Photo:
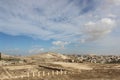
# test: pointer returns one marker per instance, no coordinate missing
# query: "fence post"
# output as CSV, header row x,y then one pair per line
x,y
57,72
43,73
48,73
65,72
53,73
38,74
61,72
28,74
33,74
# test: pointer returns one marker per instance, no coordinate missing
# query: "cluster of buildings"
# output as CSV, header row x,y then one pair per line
x,y
94,58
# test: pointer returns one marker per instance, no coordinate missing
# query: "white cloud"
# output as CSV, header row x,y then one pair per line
x,y
112,15
62,20
108,21
99,29
117,2
60,44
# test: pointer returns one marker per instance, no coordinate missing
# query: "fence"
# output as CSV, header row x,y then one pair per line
x,y
38,74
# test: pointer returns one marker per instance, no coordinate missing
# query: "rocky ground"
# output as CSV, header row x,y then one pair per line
x,y
81,72
55,63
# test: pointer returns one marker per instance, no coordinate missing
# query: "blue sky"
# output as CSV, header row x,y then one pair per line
x,y
65,26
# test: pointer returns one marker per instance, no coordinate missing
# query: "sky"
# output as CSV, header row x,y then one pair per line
x,y
63,26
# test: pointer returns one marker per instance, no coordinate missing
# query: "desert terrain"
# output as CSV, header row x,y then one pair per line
x,y
55,66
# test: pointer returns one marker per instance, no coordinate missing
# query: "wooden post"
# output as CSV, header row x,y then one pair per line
x,y
33,74
57,72
28,74
61,72
38,74
43,73
65,72
48,73
53,73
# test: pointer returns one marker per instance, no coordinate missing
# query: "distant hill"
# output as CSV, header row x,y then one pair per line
x,y
10,57
49,55
6,55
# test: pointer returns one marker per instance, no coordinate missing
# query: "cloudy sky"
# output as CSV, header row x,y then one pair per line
x,y
65,26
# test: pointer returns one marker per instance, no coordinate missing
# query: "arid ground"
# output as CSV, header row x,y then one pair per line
x,y
74,71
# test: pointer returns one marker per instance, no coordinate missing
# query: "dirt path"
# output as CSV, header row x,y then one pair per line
x,y
20,67
74,65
